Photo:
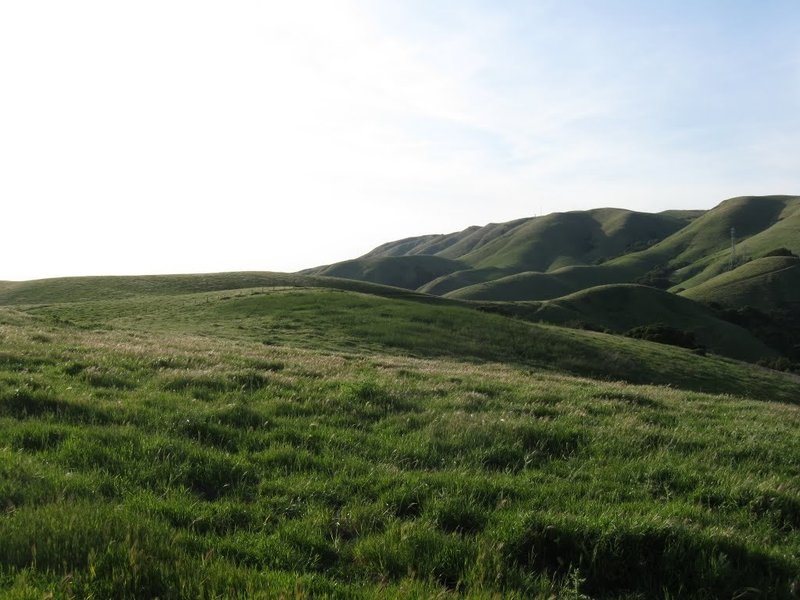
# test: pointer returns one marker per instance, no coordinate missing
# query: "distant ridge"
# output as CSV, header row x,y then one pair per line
x,y
81,289
542,258
540,244
410,272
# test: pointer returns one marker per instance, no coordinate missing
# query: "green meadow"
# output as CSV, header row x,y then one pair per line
x,y
267,436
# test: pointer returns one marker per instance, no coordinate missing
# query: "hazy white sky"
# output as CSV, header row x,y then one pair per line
x,y
189,136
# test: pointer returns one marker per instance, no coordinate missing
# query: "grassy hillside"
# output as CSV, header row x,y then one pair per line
x,y
307,442
76,289
764,296
410,272
500,249
411,246
461,279
139,289
341,320
573,238
768,284
686,215
620,308
688,257
702,249
451,245
543,243
546,257
543,286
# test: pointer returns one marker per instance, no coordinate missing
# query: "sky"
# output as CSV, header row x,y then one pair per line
x,y
167,136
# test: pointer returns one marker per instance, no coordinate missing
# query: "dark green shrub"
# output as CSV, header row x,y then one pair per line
x,y
664,334
584,325
780,363
781,252
657,278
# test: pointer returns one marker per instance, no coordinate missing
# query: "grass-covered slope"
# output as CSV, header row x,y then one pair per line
x,y
306,442
710,233
499,249
451,245
693,254
622,307
573,238
77,289
461,279
546,257
702,249
768,284
544,243
543,286
409,272
686,215
346,321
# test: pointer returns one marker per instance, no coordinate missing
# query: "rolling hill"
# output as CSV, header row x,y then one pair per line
x,y
78,289
619,308
536,244
544,257
410,272
533,285
768,284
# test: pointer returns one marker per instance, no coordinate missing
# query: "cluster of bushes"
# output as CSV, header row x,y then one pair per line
x,y
640,245
585,326
497,309
778,329
657,278
781,363
781,252
636,246
665,334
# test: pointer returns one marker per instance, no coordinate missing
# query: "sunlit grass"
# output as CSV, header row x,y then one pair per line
x,y
167,457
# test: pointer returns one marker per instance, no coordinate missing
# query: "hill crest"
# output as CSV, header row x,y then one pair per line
x,y
540,258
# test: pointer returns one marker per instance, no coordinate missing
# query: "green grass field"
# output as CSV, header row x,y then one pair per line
x,y
181,440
